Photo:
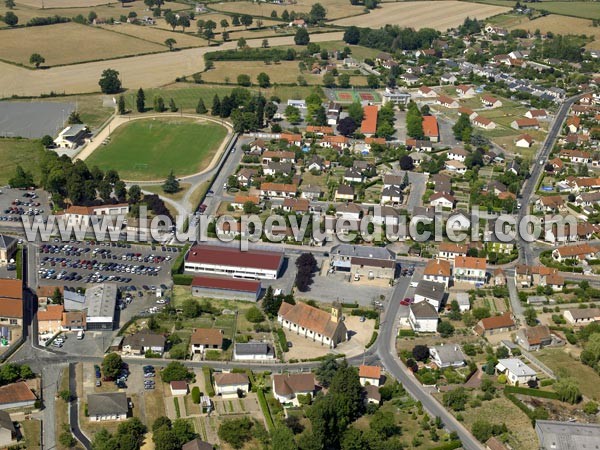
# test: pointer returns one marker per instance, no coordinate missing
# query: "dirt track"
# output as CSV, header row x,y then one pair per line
x,y
140,71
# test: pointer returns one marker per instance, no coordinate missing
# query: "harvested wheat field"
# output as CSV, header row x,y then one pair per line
x,y
157,35
69,43
336,9
563,25
139,71
63,3
438,15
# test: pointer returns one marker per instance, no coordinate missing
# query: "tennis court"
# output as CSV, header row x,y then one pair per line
x,y
352,95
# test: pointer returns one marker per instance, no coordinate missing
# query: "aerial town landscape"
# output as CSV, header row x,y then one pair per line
x,y
300,224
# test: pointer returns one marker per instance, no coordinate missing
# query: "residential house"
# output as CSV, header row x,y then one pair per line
x,y
316,164
311,192
228,385
8,247
278,168
464,111
203,339
517,372
293,138
582,316
465,90
409,79
391,194
423,317
450,250
450,355
11,302
575,156
352,175
495,324
430,292
372,394
438,271
463,300
277,190
442,199
287,387
490,101
73,321
573,124
240,200
448,78
16,396
579,252
314,323
539,114
349,211
447,102
179,388
550,203
386,215
483,122
254,351
197,444
107,406
425,91
524,141
297,205
336,141
525,124
369,375
534,338
319,130
50,319
470,269
246,175
143,341
278,156
457,154
8,433
514,167
344,192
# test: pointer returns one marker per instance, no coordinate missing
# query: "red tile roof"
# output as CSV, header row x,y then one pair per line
x,y
229,284
16,393
369,123
503,321
11,288
430,126
373,372
469,262
207,336
229,256
53,312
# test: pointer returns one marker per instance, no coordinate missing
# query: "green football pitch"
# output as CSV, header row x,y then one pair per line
x,y
148,149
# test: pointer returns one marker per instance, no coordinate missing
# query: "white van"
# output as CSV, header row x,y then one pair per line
x,y
80,334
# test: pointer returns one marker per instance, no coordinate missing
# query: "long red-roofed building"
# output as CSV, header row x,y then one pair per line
x,y
431,129
231,261
369,123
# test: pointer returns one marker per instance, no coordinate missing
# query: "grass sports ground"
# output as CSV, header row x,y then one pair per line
x,y
148,149
355,95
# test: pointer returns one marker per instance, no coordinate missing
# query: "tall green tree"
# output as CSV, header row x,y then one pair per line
x,y
301,37
121,105
140,100
200,107
109,82
36,59
171,184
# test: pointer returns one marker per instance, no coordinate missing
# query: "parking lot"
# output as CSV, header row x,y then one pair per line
x,y
15,203
134,267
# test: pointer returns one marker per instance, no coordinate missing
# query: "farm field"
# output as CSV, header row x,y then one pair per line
x,y
282,72
586,10
563,25
157,35
24,152
55,43
66,3
217,17
440,16
335,8
150,149
140,71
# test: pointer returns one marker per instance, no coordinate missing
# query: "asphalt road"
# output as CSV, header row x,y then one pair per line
x,y
74,410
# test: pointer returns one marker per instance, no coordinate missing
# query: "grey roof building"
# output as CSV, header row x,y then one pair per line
x,y
197,444
101,301
108,406
557,435
450,355
363,251
430,292
253,351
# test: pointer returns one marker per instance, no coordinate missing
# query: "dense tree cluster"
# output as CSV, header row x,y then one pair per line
x,y
175,371
246,110
306,264
391,38
414,121
129,436
9,373
168,435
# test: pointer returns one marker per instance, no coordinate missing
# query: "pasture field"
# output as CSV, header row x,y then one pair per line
x,y
157,35
24,152
358,52
150,149
437,15
65,3
335,8
56,43
583,9
282,72
560,361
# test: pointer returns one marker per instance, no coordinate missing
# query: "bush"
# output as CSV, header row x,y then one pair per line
x,y
406,333
282,340
177,410
182,280
531,392
368,313
196,395
547,382
210,391
372,340
265,409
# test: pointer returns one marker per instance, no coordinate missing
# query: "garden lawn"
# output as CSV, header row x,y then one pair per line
x,y
24,152
150,149
559,361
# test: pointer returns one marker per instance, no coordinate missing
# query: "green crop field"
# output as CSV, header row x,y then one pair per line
x,y
150,149
24,152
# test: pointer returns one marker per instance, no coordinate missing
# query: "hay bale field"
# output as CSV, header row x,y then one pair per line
x,y
69,43
437,15
148,149
283,72
157,35
335,8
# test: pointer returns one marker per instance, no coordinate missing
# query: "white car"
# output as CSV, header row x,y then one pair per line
x,y
414,284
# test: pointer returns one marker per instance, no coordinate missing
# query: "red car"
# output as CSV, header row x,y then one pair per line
x,y
407,301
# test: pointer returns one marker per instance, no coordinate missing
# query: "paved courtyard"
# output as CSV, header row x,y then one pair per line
x,y
33,119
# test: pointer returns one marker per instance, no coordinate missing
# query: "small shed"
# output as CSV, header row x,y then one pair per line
x,y
179,388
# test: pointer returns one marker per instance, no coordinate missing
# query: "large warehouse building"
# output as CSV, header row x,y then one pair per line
x,y
230,261
101,301
221,287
